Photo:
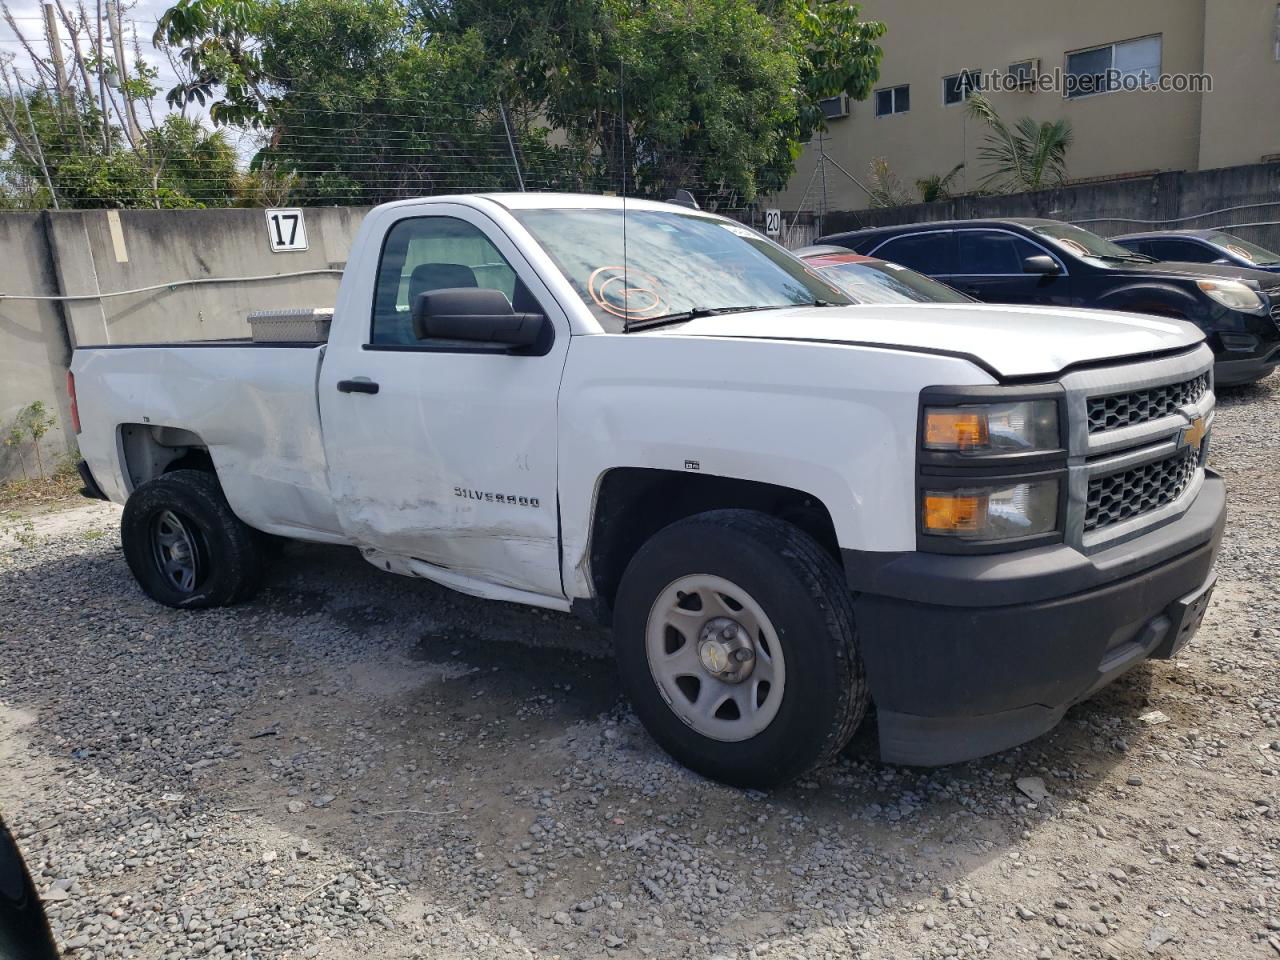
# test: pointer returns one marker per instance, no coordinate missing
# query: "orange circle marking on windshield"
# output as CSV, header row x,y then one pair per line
x,y
635,285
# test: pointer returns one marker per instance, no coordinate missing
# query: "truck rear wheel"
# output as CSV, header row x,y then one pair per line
x,y
735,641
185,546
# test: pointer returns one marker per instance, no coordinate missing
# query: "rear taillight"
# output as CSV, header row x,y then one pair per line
x,y
71,393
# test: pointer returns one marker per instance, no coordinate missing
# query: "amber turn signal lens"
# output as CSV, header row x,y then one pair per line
x,y
955,430
944,513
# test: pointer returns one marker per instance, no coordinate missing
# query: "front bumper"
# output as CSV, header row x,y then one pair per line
x,y
1228,372
969,655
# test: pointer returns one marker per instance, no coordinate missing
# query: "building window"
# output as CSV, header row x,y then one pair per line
x,y
1115,66
960,87
833,108
893,100
1024,73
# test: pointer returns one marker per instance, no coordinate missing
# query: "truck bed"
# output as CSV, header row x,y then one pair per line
x,y
252,405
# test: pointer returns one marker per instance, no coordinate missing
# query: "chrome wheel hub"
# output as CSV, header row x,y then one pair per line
x,y
715,657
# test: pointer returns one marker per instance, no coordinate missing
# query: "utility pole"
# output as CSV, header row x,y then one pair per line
x,y
511,143
117,43
55,48
822,160
102,80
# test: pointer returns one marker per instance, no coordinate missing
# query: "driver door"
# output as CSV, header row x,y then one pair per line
x,y
445,451
989,267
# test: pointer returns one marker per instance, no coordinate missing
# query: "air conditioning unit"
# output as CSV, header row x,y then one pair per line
x,y
1024,73
833,108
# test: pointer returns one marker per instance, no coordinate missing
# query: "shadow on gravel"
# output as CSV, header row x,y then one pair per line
x,y
394,716
1247,392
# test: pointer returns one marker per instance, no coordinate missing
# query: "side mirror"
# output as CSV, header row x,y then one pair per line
x,y
474,314
1042,264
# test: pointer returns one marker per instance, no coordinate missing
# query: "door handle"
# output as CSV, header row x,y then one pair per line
x,y
358,385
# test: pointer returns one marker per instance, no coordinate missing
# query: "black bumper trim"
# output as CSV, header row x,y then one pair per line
x,y
1041,573
90,488
1230,373
957,680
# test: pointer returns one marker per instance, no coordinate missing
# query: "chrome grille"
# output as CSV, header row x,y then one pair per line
x,y
1143,406
1128,493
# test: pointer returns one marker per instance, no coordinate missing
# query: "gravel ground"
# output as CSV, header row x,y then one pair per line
x,y
358,765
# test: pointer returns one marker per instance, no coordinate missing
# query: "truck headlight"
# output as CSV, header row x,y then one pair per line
x,y
1233,295
995,512
986,429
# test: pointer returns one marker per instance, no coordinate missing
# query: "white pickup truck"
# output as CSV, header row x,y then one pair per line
x,y
786,505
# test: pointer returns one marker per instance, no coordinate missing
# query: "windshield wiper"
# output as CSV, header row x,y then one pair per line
x,y
679,316
1135,258
694,313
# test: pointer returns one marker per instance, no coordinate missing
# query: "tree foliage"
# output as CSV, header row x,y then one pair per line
x,y
937,186
372,99
74,134
1026,156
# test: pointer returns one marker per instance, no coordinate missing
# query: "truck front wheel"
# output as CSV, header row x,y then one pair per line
x,y
185,545
735,641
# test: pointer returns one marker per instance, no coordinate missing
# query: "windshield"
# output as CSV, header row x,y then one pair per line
x,y
1244,249
883,282
677,264
1082,243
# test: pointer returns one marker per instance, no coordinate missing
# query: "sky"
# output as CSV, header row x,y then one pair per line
x,y
139,17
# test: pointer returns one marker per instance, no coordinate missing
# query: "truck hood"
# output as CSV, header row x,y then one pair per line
x,y
1013,341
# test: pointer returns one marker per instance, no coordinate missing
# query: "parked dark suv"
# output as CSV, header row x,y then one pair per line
x,y
1201,246
1050,262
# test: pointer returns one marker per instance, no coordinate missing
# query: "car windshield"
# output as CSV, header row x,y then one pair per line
x,y
881,282
1082,243
677,265
1244,249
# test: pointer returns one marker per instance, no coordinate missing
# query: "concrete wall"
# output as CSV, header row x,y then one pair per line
x,y
98,251
1111,208
34,350
1116,133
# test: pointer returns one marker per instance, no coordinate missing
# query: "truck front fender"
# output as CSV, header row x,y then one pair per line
x,y
831,422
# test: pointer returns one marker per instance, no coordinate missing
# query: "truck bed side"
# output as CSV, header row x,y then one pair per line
x,y
150,408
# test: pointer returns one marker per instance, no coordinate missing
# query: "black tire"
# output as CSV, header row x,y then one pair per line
x,y
802,591
229,563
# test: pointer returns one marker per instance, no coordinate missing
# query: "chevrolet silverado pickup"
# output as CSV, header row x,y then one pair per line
x,y
786,504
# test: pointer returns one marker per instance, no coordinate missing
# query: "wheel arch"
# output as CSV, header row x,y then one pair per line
x,y
1159,299
148,451
634,503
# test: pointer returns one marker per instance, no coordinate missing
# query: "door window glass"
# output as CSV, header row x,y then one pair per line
x,y
929,253
1183,251
992,252
435,253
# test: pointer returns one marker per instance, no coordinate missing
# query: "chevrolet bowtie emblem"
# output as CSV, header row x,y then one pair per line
x,y
1193,435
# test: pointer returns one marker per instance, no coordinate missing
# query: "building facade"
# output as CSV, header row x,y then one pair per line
x,y
1130,76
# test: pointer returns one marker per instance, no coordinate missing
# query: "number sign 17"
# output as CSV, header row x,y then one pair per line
x,y
286,230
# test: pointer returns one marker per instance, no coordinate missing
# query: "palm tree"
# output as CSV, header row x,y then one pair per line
x,y
1030,156
886,190
936,186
